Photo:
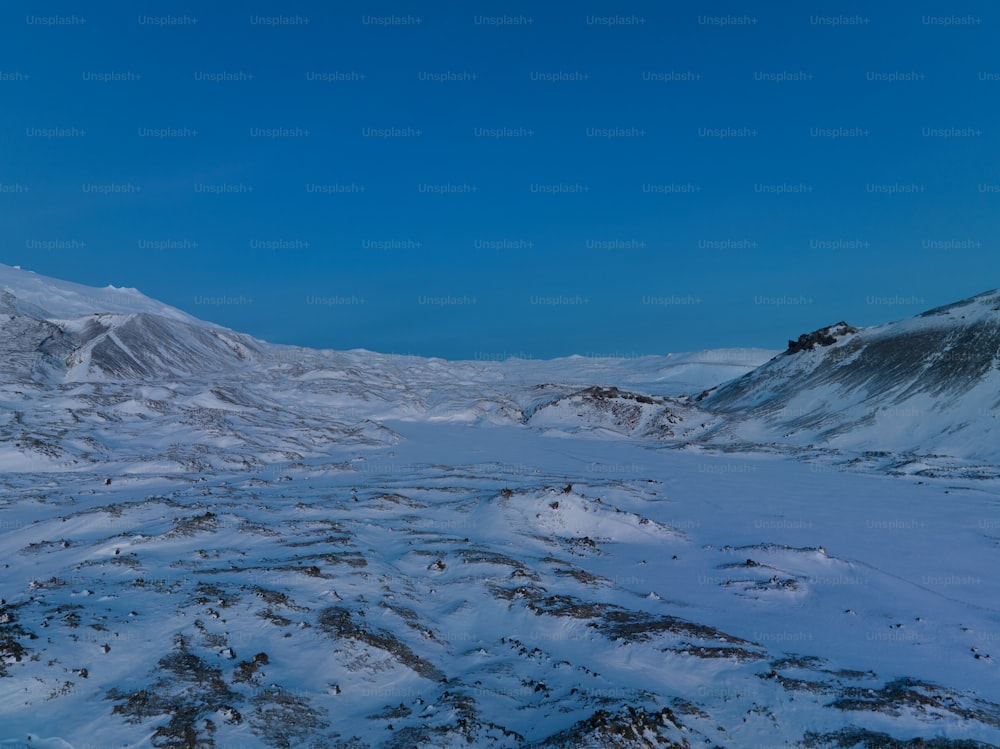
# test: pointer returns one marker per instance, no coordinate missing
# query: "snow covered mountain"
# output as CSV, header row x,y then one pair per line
x,y
924,385
52,334
210,541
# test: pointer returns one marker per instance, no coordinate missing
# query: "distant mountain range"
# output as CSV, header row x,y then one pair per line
x,y
111,376
925,385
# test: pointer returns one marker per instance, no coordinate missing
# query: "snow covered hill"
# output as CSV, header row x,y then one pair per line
x,y
57,332
929,384
210,541
609,412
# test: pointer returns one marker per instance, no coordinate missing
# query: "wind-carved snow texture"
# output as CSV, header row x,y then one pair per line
x,y
210,541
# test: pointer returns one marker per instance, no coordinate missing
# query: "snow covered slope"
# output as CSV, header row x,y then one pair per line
x,y
58,332
149,347
927,384
37,294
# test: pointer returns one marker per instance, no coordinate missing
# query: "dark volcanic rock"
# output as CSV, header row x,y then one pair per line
x,y
823,337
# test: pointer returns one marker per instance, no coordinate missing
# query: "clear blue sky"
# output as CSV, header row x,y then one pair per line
x,y
739,171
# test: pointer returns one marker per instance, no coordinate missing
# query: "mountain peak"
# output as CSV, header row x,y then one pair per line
x,y
984,303
67,300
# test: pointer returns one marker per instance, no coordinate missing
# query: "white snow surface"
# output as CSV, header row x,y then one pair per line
x,y
67,300
283,547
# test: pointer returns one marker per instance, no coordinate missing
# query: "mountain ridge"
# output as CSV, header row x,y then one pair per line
x,y
925,383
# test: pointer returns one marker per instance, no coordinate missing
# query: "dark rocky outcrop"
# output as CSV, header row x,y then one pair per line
x,y
822,337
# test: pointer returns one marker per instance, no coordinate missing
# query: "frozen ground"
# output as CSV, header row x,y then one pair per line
x,y
288,548
504,586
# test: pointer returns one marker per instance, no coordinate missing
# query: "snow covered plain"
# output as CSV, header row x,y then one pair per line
x,y
342,549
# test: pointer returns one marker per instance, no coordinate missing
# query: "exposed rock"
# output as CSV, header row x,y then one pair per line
x,y
823,337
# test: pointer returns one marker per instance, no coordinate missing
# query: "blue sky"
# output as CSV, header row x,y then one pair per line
x,y
473,180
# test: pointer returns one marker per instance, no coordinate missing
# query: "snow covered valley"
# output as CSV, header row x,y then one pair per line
x,y
264,546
